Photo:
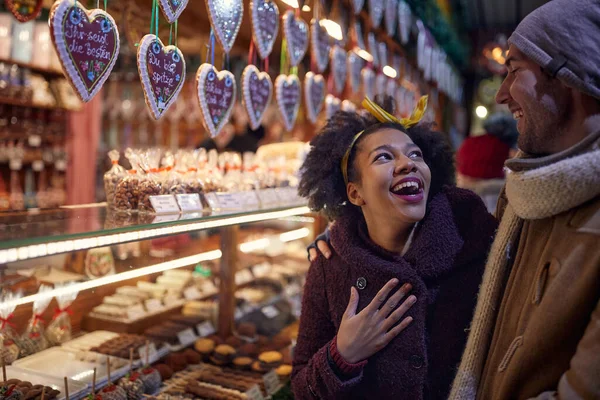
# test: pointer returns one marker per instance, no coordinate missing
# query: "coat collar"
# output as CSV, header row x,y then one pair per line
x,y
432,254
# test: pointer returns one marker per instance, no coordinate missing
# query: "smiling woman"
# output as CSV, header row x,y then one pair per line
x,y
409,241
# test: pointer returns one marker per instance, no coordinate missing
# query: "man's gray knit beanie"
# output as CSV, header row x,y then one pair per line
x,y
563,37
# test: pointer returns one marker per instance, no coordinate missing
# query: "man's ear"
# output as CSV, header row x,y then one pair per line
x,y
354,194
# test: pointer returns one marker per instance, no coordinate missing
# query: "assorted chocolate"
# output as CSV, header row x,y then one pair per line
x,y
15,389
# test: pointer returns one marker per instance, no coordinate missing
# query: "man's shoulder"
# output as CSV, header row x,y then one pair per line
x,y
586,217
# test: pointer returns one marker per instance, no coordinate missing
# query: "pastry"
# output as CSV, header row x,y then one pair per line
x,y
223,354
242,362
192,357
284,371
113,392
280,341
247,329
205,347
233,341
164,370
248,349
270,360
151,379
176,361
133,386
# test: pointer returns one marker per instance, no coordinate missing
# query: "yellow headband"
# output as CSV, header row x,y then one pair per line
x,y
383,116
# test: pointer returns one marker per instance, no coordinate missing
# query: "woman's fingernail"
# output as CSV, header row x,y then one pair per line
x,y
327,255
394,281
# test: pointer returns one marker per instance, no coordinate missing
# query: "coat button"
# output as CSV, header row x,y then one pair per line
x,y
361,283
416,361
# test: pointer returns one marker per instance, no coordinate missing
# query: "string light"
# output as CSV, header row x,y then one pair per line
x,y
333,29
390,72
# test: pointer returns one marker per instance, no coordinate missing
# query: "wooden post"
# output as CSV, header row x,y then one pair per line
x,y
227,287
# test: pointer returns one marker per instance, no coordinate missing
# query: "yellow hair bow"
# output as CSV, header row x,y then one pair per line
x,y
383,116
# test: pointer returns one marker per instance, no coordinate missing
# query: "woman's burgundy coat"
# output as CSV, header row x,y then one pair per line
x,y
444,264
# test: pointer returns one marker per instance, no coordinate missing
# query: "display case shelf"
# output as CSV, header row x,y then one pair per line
x,y
38,233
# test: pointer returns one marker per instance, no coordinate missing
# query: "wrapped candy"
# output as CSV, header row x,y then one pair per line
x,y
150,183
59,329
8,336
112,177
34,339
127,191
133,386
151,379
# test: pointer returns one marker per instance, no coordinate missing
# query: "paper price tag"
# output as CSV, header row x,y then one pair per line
x,y
189,202
192,293
165,218
152,353
153,305
186,337
136,312
164,204
254,393
212,200
270,311
205,329
272,382
250,200
231,201
268,197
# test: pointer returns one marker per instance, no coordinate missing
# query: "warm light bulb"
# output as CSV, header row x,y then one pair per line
x,y
333,29
291,3
390,72
365,55
497,52
306,8
481,112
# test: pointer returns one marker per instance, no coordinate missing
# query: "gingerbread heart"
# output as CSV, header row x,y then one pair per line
x,y
295,31
380,83
368,79
372,42
162,72
314,94
226,19
87,43
355,64
265,25
357,6
216,94
287,93
348,106
391,15
404,21
320,45
332,105
339,68
257,90
173,8
390,87
376,8
24,10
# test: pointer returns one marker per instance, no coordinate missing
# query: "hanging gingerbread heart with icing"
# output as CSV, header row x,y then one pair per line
x,y
172,9
265,25
320,45
376,8
368,79
404,21
87,44
357,6
24,10
339,68
355,64
162,72
391,16
314,94
257,90
380,84
287,93
226,18
332,105
216,94
295,31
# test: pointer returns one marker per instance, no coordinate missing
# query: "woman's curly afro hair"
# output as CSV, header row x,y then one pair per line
x,y
321,179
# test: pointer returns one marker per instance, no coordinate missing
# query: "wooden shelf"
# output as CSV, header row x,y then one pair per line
x,y
15,102
40,70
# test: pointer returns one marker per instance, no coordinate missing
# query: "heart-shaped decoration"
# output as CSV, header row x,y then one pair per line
x,y
314,94
162,72
339,68
380,83
383,53
391,16
355,64
173,8
372,42
296,34
348,106
24,10
216,94
332,105
265,25
321,46
226,19
390,88
87,43
376,8
368,79
288,93
357,6
257,90
404,21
